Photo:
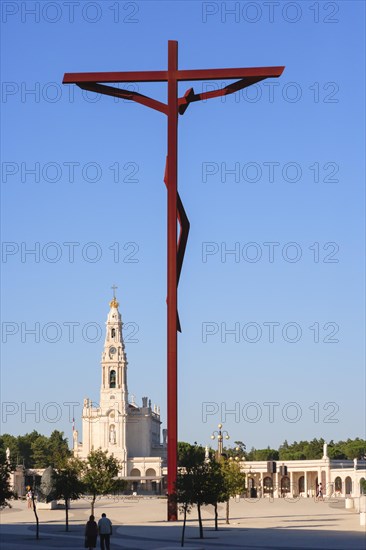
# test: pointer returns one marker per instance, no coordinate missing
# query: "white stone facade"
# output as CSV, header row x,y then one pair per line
x,y
339,478
129,431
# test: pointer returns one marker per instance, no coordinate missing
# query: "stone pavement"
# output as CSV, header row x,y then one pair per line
x,y
139,524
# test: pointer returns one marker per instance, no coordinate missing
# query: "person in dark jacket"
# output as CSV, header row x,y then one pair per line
x,y
91,533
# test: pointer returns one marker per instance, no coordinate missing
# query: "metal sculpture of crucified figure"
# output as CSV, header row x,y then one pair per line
x,y
176,247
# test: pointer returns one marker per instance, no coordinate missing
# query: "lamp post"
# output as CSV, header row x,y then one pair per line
x,y
238,456
220,434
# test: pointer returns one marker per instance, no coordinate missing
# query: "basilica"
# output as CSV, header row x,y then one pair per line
x,y
118,425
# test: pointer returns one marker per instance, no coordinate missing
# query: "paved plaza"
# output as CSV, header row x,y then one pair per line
x,y
140,524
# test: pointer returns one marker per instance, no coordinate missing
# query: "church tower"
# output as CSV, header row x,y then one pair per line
x,y
114,363
105,424
128,431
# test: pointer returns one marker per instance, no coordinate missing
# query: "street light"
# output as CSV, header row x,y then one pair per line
x,y
220,435
238,456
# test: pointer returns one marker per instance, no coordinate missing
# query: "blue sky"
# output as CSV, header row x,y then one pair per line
x,y
275,173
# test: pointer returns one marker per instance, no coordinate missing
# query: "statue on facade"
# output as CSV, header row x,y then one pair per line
x,y
112,435
75,438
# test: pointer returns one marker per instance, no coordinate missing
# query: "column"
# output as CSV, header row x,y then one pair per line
x,y
291,484
306,484
277,492
261,483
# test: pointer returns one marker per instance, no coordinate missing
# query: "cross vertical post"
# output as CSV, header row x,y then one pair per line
x,y
172,348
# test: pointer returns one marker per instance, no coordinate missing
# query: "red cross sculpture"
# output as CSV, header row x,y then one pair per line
x,y
176,246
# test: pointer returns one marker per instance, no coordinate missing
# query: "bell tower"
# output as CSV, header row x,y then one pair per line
x,y
113,391
129,432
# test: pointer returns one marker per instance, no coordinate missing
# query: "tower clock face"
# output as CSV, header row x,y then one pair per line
x,y
113,350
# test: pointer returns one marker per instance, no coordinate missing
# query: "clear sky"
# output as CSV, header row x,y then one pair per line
x,y
274,173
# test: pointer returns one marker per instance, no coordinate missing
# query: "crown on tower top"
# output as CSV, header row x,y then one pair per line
x,y
114,303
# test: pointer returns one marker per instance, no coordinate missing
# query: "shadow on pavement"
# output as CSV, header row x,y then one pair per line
x,y
154,537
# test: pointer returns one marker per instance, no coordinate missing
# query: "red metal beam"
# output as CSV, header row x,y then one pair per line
x,y
125,94
218,74
127,76
162,76
172,277
190,96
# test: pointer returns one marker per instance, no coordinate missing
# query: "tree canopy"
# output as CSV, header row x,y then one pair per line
x,y
306,450
34,450
100,475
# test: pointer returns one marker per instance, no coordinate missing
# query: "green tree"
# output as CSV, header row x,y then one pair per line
x,y
25,448
200,475
68,485
217,489
35,450
188,454
314,449
354,448
99,476
263,454
193,480
239,449
234,480
5,469
40,455
58,449
49,451
335,451
185,497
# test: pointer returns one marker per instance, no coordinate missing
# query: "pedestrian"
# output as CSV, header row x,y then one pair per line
x,y
29,498
320,491
105,531
91,533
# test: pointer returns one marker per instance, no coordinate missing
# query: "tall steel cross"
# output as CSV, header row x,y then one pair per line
x,y
176,247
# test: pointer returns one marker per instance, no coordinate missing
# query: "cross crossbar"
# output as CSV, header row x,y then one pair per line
x,y
180,75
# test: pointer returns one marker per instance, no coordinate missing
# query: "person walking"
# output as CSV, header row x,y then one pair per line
x,y
91,533
29,498
105,531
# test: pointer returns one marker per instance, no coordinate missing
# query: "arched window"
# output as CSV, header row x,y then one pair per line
x,y
362,486
135,472
113,333
348,484
150,472
112,379
338,484
285,485
267,485
251,483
